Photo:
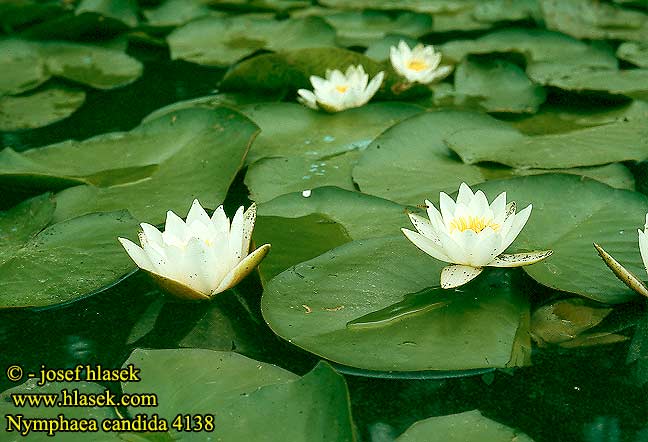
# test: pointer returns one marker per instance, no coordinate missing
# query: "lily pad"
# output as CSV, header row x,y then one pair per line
x,y
176,12
271,177
579,212
289,129
158,166
21,223
631,82
362,28
245,396
379,50
477,329
634,52
290,70
221,41
619,141
32,63
469,426
39,109
302,226
594,20
535,44
71,259
500,86
29,388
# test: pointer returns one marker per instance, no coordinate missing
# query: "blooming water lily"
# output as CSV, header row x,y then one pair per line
x,y
471,234
418,65
201,257
625,275
339,91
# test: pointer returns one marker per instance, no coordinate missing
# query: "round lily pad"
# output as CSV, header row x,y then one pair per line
x,y
372,304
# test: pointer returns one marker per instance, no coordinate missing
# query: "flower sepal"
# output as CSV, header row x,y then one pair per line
x,y
625,275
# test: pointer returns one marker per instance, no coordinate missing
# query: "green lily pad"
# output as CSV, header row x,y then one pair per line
x,y
290,70
477,328
379,50
39,108
397,164
29,388
631,82
362,28
301,226
109,17
494,11
469,426
289,129
500,86
158,166
271,177
569,214
221,41
245,396
21,223
535,44
65,261
176,12
32,63
619,141
601,20
634,52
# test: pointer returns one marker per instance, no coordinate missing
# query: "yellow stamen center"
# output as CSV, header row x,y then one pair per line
x,y
342,88
417,65
476,224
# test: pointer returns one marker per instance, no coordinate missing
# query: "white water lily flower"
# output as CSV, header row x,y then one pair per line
x,y
471,234
625,275
419,64
339,91
201,257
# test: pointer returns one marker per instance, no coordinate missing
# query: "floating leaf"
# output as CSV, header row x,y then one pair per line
x,y
158,166
21,223
469,426
65,261
176,12
569,214
38,108
302,226
221,41
362,28
379,50
476,329
499,85
289,129
634,52
619,141
243,395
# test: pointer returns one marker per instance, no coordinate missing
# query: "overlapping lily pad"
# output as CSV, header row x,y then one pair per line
x,y
221,41
30,64
311,304
569,214
618,141
634,52
161,165
290,70
469,426
41,266
302,226
245,396
498,86
38,108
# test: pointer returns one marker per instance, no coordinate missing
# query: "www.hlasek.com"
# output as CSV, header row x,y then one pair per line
x,y
25,422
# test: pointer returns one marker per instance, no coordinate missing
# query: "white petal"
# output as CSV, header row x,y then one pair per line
x,y
434,215
249,218
152,233
456,275
424,227
518,223
498,207
239,272
465,195
643,248
520,259
236,237
427,245
447,206
220,221
489,246
622,273
197,214
307,98
137,254
175,230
